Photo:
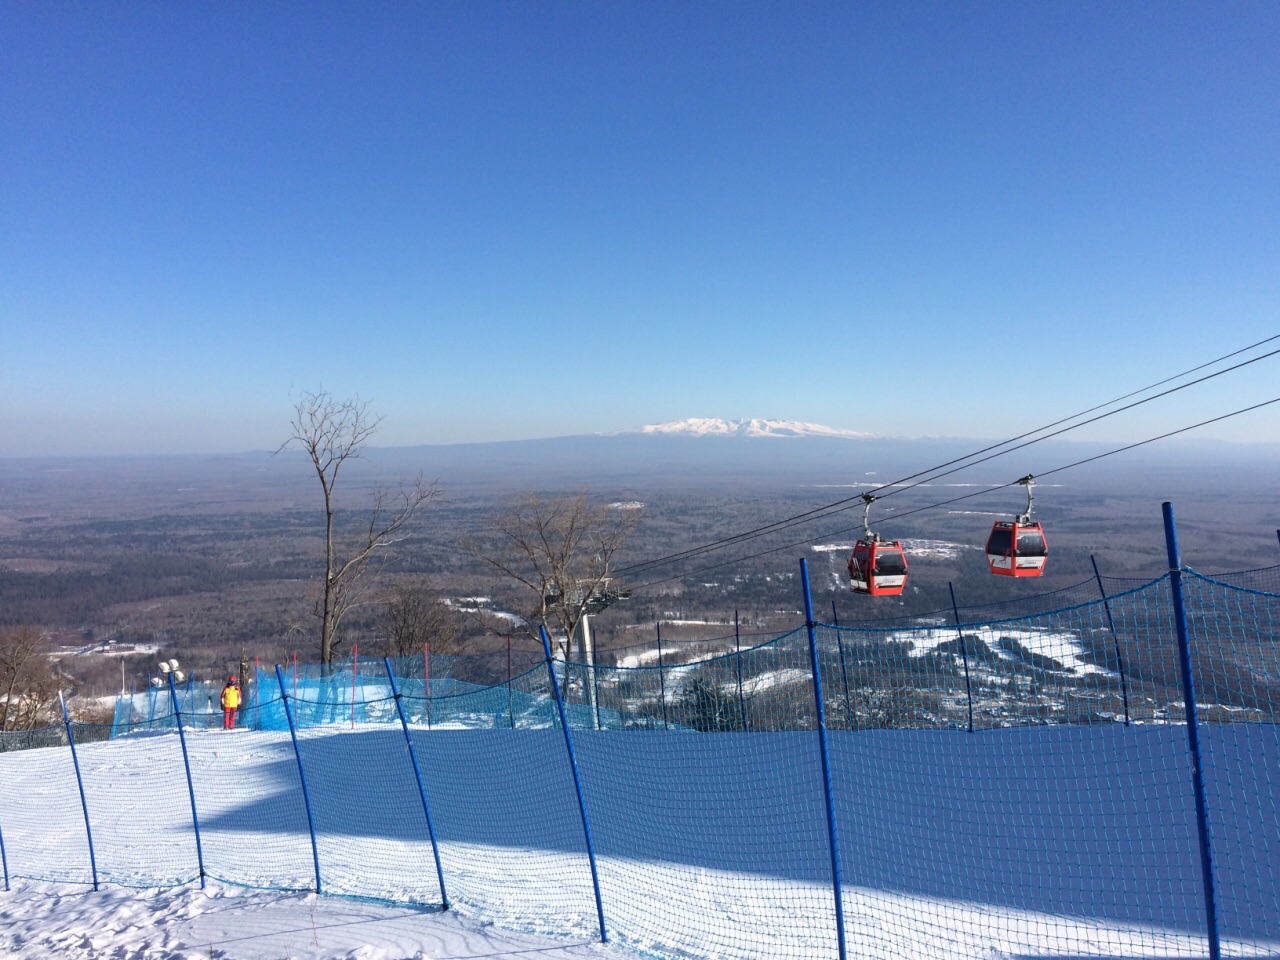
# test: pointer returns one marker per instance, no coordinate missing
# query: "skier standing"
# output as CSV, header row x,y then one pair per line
x,y
230,703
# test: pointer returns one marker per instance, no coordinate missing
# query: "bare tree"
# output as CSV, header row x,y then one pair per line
x,y
26,679
332,432
414,614
561,549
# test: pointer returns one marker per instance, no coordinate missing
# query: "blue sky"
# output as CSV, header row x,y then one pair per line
x,y
499,221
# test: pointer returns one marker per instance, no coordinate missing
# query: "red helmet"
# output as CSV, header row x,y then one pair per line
x,y
232,680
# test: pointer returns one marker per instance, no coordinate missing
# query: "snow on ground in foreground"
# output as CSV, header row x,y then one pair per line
x,y
1056,842
39,920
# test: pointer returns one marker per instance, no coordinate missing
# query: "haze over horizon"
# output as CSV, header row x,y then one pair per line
x,y
500,222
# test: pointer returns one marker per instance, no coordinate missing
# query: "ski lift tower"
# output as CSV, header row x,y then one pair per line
x,y
602,595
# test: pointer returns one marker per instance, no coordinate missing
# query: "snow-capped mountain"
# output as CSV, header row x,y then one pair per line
x,y
753,427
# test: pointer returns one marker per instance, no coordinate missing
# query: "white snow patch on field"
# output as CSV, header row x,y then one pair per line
x,y
1065,649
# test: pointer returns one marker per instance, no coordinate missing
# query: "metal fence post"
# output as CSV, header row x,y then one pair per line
x,y
1115,641
84,804
836,880
577,780
737,662
4,858
417,775
426,680
186,763
844,673
511,715
964,653
1193,731
662,684
302,775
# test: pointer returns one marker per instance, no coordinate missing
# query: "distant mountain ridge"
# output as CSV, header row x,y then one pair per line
x,y
747,427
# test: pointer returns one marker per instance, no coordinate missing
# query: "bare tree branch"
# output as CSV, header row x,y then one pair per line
x,y
26,677
415,615
332,432
560,549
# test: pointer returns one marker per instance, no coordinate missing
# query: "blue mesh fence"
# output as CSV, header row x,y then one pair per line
x,y
1017,785
43,823
152,708
371,832
713,826
134,808
253,819
519,857
1051,811
1235,634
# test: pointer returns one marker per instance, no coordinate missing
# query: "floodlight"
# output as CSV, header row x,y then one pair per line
x,y
164,666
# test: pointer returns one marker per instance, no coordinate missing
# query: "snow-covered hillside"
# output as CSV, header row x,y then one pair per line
x,y
713,427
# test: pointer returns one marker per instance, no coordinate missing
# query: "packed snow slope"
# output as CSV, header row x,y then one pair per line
x,y
43,920
1065,841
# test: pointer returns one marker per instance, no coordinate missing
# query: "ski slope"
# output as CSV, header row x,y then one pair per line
x,y
1026,842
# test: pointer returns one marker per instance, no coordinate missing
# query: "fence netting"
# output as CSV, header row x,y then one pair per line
x,y
1236,642
1016,784
1053,828
498,779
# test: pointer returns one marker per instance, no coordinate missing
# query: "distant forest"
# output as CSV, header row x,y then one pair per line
x,y
209,564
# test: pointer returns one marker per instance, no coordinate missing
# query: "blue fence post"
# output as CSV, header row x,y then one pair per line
x,y
4,858
84,804
426,682
511,714
844,673
737,662
1193,731
662,684
964,654
186,762
302,775
417,775
1115,641
836,881
577,780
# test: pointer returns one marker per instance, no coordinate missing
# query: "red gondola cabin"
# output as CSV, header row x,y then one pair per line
x,y
1017,549
878,568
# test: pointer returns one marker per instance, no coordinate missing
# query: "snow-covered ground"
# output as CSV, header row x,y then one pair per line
x,y
39,920
1032,842
1061,648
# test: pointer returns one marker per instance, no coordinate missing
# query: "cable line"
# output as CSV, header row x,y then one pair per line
x,y
959,499
898,487
930,473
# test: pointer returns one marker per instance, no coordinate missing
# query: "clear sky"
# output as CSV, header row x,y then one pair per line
x,y
510,220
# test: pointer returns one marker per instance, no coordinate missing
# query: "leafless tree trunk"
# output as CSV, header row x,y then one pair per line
x,y
562,550
332,432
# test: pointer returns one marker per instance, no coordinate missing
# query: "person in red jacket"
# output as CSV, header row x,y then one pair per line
x,y
231,699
